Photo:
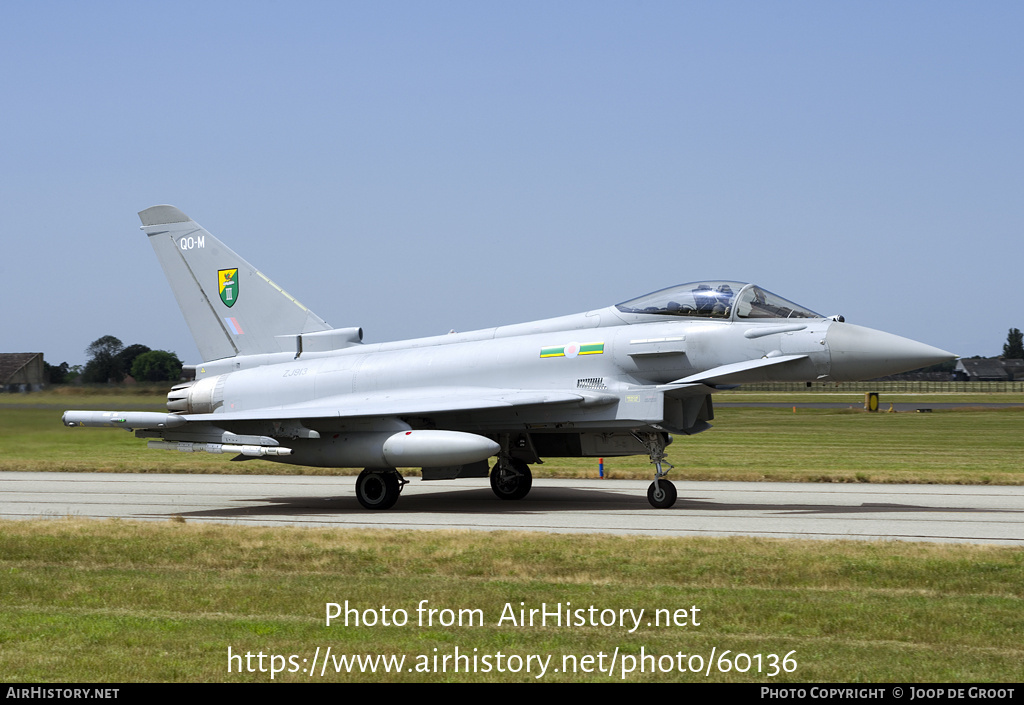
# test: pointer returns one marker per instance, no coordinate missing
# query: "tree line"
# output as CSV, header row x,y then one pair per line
x,y
1014,347
110,362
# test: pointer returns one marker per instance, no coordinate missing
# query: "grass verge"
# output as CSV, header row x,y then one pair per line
x,y
118,601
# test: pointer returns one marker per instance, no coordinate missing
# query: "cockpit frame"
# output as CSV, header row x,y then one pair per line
x,y
722,300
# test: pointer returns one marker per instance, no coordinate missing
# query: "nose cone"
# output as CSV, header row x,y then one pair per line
x,y
860,353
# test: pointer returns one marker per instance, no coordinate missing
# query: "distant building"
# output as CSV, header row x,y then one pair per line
x,y
989,369
21,372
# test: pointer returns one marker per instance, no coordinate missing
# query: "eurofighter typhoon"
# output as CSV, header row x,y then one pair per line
x,y
278,383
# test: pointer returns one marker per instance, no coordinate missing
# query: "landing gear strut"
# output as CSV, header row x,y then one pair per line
x,y
662,493
511,478
378,488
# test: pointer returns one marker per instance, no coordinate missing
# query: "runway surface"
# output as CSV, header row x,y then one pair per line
x,y
971,514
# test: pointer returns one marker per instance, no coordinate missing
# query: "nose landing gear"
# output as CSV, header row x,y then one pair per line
x,y
662,493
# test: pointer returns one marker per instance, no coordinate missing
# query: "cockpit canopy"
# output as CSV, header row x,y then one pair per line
x,y
716,299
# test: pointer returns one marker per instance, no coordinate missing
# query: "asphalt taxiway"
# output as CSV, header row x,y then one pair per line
x,y
941,513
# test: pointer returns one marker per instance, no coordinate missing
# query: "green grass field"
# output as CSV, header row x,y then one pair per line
x,y
121,601
118,601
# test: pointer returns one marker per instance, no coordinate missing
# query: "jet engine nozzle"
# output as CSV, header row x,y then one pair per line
x,y
859,353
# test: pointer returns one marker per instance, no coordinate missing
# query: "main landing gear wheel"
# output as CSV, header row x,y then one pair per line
x,y
511,479
378,488
661,494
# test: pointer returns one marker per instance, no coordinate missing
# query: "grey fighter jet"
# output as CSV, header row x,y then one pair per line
x,y
278,383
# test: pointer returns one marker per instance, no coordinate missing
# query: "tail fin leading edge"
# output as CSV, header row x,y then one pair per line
x,y
230,306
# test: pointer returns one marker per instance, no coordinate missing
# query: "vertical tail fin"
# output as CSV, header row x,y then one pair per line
x,y
229,305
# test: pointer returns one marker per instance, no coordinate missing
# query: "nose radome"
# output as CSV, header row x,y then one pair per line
x,y
860,353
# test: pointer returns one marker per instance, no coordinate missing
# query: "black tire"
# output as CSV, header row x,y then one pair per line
x,y
377,488
512,481
663,499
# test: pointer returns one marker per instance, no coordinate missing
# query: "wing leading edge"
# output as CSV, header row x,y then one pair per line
x,y
433,400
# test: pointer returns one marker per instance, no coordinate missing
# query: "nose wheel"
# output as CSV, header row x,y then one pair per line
x,y
661,494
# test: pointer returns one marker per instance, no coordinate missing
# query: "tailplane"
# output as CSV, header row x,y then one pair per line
x,y
230,306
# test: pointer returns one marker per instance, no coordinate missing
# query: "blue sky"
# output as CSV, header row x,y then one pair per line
x,y
414,167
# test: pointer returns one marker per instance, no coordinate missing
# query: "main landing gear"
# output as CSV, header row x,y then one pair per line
x,y
662,493
378,488
511,478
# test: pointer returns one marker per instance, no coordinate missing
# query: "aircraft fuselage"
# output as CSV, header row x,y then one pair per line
x,y
279,383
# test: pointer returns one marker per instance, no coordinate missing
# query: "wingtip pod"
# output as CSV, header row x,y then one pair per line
x,y
122,419
162,215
